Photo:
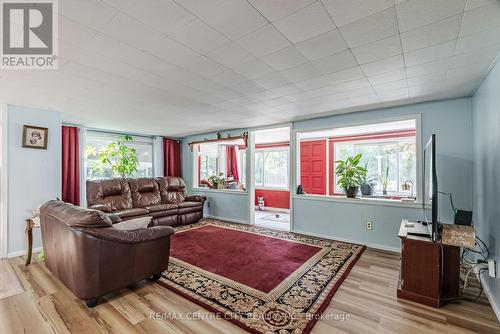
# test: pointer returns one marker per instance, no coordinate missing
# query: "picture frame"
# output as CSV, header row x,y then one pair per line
x,y
35,137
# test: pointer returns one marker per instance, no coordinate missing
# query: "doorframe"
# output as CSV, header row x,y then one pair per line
x,y
4,183
251,169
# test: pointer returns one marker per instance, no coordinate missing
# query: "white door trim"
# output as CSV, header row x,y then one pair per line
x,y
4,183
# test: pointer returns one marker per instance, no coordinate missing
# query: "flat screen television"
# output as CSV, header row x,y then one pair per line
x,y
430,187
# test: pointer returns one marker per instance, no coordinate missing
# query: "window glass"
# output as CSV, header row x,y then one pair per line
x,y
97,141
271,168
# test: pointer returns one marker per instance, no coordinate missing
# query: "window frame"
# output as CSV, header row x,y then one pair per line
x,y
376,201
111,136
273,148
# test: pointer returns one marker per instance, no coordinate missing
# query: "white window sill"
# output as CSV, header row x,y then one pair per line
x,y
226,191
364,201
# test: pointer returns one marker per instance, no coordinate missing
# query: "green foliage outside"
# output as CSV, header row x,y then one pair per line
x,y
122,159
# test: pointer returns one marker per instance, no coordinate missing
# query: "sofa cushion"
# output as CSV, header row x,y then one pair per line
x,y
145,192
172,189
161,207
131,212
133,224
188,204
114,192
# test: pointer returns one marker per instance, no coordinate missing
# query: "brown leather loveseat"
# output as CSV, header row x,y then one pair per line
x,y
92,258
163,198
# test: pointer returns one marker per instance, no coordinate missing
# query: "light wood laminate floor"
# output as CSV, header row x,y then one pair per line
x,y
368,296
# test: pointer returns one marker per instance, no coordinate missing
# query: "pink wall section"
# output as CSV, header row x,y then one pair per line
x,y
274,198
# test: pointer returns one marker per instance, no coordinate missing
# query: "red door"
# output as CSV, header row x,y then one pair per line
x,y
313,166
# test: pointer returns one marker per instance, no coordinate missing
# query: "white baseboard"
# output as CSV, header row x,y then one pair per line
x,y
493,297
23,252
231,220
376,246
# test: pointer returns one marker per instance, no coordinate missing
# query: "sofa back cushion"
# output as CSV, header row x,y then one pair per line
x,y
172,189
114,192
145,192
73,215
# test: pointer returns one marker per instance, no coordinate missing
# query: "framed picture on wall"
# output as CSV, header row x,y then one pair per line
x,y
35,137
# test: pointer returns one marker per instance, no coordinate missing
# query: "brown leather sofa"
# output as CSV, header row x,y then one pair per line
x,y
163,198
92,258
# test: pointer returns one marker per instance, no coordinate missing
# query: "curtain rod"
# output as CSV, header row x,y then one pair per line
x,y
117,132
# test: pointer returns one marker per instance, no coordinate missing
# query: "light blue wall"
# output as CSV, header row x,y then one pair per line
x,y
450,120
34,176
486,179
222,204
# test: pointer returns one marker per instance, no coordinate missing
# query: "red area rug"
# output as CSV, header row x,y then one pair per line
x,y
265,281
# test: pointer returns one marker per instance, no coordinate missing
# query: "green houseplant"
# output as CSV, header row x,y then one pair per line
x,y
217,181
366,183
122,159
350,174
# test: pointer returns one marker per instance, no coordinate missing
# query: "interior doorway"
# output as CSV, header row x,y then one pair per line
x,y
271,178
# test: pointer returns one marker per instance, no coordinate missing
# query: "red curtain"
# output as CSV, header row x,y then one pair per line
x,y
232,162
70,165
172,157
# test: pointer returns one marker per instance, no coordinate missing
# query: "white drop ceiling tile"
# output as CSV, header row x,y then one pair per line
x,y
426,79
202,66
363,95
264,41
288,90
387,77
428,68
92,13
285,58
197,7
431,34
391,95
384,65
200,37
394,85
371,28
313,84
253,68
429,54
305,23
416,13
347,11
233,18
301,72
479,19
161,15
322,45
381,49
472,4
483,56
277,9
74,32
350,74
272,80
248,88
336,62
228,78
130,31
230,55
480,40
354,85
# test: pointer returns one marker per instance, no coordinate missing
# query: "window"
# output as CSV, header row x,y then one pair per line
x,y
388,151
96,141
395,157
208,166
271,168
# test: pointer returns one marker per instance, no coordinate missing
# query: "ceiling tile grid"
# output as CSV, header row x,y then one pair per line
x,y
183,61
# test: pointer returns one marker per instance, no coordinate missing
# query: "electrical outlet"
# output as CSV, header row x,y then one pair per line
x,y
369,225
492,268
208,204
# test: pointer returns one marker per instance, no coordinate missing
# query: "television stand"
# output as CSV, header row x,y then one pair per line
x,y
430,271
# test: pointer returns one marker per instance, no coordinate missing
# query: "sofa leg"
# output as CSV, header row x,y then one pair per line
x,y
91,302
156,277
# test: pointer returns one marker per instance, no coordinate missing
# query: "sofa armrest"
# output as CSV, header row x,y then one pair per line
x,y
129,237
196,198
101,207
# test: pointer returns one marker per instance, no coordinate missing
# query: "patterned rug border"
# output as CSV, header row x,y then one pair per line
x,y
323,298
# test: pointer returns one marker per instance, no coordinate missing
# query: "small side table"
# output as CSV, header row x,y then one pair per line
x,y
31,223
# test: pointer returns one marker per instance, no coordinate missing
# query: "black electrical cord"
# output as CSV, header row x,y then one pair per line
x,y
451,200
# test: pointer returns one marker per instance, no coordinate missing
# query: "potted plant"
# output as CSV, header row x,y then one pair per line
x,y
384,180
366,183
350,175
217,181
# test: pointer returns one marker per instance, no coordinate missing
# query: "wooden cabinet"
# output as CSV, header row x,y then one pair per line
x,y
430,271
